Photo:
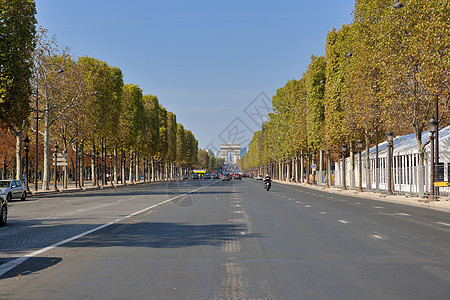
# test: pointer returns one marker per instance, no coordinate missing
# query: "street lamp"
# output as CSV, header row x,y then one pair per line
x,y
26,142
55,148
360,144
433,128
390,146
344,149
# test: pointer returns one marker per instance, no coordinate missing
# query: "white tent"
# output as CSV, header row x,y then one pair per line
x,y
405,164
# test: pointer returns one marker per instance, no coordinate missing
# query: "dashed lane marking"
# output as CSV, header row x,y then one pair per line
x,y
379,237
344,221
443,223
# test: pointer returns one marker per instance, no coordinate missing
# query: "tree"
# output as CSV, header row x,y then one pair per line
x,y
314,101
415,66
17,31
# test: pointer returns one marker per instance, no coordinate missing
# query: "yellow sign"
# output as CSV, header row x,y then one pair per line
x,y
442,183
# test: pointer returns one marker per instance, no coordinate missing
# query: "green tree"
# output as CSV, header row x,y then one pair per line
x,y
315,115
17,31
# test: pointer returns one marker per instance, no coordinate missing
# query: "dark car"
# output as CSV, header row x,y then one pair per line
x,y
195,176
226,177
185,176
237,176
3,210
207,176
12,189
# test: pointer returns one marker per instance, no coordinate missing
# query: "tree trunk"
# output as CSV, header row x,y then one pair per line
x,y
130,177
19,170
420,167
367,160
116,180
138,178
122,166
93,168
46,175
302,168
82,166
352,167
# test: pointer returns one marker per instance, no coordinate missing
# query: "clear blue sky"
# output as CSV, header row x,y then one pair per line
x,y
207,61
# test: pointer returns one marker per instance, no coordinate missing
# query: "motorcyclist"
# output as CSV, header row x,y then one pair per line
x,y
267,180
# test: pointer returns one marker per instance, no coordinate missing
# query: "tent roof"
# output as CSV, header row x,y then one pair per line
x,y
407,144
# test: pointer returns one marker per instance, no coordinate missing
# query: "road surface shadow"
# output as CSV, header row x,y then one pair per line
x,y
30,266
163,235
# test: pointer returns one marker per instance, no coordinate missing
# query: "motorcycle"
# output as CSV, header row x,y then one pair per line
x,y
267,185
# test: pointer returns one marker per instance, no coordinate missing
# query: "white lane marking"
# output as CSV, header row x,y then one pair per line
x,y
379,207
322,212
392,214
379,237
307,206
297,201
357,203
344,221
14,263
443,223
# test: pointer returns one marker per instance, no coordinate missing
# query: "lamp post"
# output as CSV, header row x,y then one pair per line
x,y
26,142
55,148
344,149
433,128
390,146
360,144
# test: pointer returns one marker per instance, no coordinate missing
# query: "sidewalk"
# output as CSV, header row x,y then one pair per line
x,y
443,204
88,186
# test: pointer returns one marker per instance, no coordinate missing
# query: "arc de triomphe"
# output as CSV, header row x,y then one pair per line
x,y
227,148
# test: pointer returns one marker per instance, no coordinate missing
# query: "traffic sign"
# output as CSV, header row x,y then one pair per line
x,y
314,167
442,183
61,159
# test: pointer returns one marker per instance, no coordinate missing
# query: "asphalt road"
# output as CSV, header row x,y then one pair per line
x,y
222,240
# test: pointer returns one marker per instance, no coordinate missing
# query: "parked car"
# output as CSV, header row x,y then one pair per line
x,y
207,176
12,189
195,176
259,177
185,176
226,177
3,210
237,176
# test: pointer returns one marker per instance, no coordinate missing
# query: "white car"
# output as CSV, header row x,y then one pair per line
x,y
259,177
12,189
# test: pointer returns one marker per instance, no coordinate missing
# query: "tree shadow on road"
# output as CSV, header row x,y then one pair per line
x,y
164,235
